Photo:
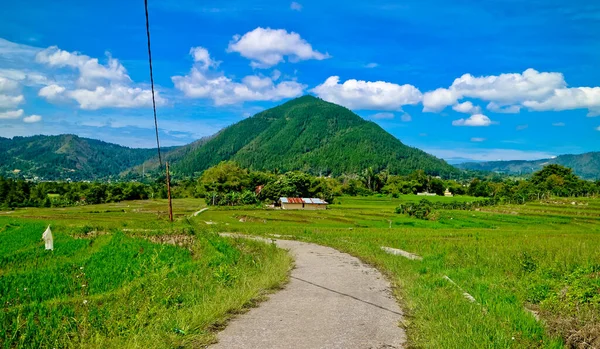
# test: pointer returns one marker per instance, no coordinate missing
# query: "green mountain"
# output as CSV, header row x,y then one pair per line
x,y
66,156
584,165
311,135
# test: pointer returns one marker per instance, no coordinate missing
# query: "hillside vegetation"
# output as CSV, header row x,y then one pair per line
x,y
66,156
310,135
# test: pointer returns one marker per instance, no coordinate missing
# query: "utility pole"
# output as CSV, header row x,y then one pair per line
x,y
169,194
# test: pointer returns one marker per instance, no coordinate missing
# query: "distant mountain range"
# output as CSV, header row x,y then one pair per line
x,y
305,134
584,165
67,157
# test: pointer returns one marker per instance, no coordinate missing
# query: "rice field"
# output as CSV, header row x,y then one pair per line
x,y
114,279
533,270
124,279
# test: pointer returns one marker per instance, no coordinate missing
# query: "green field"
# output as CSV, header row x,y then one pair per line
x,y
123,277
514,260
541,257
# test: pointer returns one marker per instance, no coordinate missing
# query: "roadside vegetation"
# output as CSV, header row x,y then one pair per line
x,y
518,261
119,282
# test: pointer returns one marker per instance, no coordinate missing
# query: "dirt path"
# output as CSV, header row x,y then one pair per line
x,y
332,301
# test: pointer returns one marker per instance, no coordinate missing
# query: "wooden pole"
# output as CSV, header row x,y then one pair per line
x,y
169,194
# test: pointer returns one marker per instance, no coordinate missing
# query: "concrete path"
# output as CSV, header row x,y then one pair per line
x,y
332,301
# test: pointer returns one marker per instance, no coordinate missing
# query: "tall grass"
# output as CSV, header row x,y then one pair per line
x,y
117,291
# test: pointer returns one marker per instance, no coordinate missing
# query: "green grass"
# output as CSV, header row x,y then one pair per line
x,y
541,256
107,285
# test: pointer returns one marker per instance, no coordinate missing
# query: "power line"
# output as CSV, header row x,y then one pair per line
x,y
152,82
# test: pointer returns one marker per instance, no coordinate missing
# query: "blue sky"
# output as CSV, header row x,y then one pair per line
x,y
484,80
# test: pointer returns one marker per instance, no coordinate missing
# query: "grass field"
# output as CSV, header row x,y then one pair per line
x,y
515,260
110,283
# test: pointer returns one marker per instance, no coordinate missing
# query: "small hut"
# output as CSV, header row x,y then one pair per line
x,y
302,204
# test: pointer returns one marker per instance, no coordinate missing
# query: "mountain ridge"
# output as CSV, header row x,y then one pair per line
x,y
586,165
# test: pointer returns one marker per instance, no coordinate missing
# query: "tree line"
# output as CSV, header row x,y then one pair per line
x,y
228,184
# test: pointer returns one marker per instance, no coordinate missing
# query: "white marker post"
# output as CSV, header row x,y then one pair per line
x,y
47,237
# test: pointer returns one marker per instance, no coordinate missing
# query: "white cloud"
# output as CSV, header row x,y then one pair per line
x,y
467,108
32,119
8,85
295,6
267,47
598,128
202,56
9,102
11,114
406,117
558,124
521,127
508,93
370,95
114,96
474,120
568,99
477,139
276,74
437,100
380,116
223,90
100,85
511,109
51,92
371,65
91,72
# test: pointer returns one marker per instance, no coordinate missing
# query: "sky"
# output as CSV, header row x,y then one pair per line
x,y
476,80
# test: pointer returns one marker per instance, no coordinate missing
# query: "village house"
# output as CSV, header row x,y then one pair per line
x,y
302,204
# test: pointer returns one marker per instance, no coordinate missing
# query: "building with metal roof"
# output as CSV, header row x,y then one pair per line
x,y
302,203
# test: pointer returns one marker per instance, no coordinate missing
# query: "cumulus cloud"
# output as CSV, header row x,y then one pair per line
x,y
267,47
568,99
91,72
115,96
598,128
296,6
380,116
32,119
511,109
370,95
200,83
11,114
201,55
100,85
8,85
477,139
9,102
467,108
406,117
508,93
51,92
371,65
474,120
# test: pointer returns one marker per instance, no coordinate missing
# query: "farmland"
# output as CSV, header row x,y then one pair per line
x,y
110,282
517,261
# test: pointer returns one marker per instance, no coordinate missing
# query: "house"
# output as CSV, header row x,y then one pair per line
x,y
426,194
302,204
448,193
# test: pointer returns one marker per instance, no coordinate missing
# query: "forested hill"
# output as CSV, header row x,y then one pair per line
x,y
66,156
311,135
584,165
